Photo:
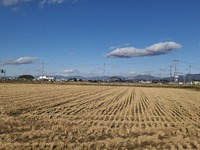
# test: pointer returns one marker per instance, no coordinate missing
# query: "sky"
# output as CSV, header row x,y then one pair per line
x,y
77,37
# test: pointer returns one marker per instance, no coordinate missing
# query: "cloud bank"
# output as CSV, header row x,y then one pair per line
x,y
19,61
153,50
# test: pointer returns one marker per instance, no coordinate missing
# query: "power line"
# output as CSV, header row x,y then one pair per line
x,y
195,68
186,62
99,64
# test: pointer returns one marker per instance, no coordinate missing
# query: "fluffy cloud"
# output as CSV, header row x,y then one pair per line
x,y
70,71
19,61
13,2
42,2
153,50
75,72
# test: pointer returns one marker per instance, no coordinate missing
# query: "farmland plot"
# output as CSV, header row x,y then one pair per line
x,y
98,117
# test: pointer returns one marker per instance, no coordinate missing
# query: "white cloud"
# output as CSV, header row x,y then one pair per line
x,y
126,44
132,73
71,54
112,47
71,71
19,61
42,2
15,9
75,72
13,2
153,50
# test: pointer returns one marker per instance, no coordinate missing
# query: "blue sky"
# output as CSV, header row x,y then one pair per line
x,y
76,37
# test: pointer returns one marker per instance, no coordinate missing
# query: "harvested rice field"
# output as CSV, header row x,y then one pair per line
x,y
47,116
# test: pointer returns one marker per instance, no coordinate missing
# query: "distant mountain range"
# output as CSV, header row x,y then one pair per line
x,y
193,77
87,78
187,77
143,77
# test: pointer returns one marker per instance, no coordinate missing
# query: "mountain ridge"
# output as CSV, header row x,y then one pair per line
x,y
187,77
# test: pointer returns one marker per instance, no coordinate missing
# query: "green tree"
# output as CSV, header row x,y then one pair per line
x,y
27,77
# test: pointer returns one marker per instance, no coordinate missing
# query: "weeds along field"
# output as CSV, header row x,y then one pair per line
x,y
39,116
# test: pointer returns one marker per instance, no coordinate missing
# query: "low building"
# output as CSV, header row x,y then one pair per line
x,y
145,82
45,78
115,79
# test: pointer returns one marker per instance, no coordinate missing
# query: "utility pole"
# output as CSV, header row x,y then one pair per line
x,y
4,72
170,74
104,71
184,78
160,76
149,77
189,74
43,70
160,80
175,71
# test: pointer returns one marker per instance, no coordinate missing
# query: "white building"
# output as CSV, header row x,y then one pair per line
x,y
45,78
145,82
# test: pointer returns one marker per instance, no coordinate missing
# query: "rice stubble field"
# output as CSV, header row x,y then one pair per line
x,y
48,116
